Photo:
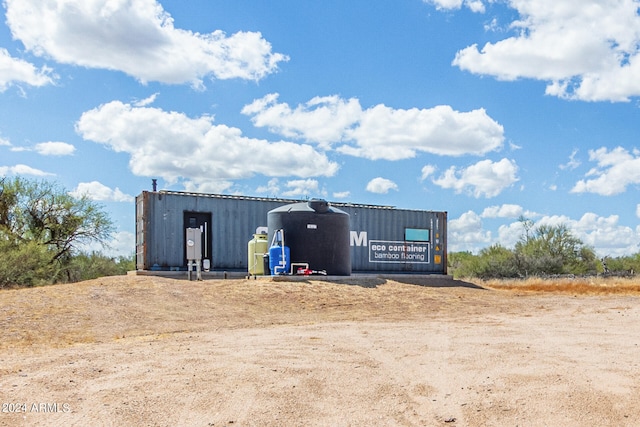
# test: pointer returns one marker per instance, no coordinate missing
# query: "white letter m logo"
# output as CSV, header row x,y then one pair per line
x,y
358,239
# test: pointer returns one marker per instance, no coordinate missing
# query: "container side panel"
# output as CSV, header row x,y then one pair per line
x,y
233,223
141,230
378,240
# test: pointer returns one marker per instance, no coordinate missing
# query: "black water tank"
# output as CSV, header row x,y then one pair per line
x,y
316,233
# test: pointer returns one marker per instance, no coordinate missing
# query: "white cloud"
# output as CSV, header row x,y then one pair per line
x,y
302,187
510,234
427,171
52,148
138,38
483,179
322,120
147,101
295,188
207,185
474,5
381,185
195,151
585,49
22,170
395,134
573,163
616,169
49,148
122,243
100,192
467,233
4,142
379,132
445,4
342,194
638,210
272,188
503,211
17,71
514,146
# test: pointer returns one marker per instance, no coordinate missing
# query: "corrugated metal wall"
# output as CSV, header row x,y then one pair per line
x,y
386,229
233,222
160,237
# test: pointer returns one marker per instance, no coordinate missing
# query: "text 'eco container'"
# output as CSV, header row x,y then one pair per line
x,y
316,233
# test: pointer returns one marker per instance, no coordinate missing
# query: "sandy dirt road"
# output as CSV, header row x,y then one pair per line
x,y
143,351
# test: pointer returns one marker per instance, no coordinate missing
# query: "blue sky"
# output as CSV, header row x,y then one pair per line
x,y
487,109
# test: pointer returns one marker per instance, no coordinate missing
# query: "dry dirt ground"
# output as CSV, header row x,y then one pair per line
x,y
149,351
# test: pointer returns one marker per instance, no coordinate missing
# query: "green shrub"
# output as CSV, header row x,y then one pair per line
x,y
496,261
461,264
94,265
24,265
542,250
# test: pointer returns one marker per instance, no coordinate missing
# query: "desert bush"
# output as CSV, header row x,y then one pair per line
x,y
26,264
541,251
628,264
553,249
462,264
91,266
493,262
497,261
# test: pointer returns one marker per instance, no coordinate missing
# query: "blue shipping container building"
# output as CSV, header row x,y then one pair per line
x,y
383,239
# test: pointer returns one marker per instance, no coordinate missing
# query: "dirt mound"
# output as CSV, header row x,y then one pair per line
x,y
154,351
